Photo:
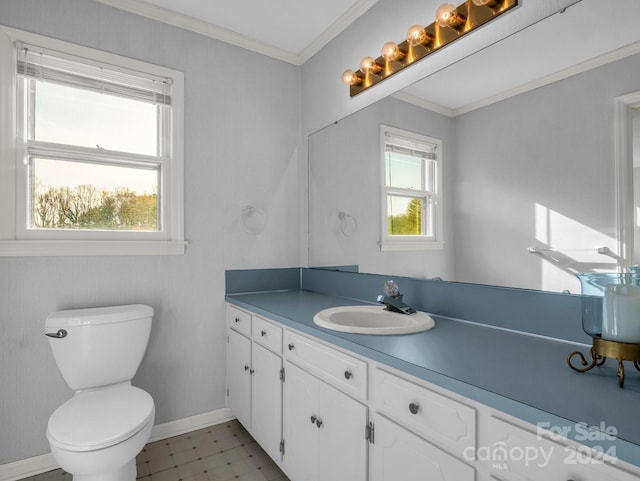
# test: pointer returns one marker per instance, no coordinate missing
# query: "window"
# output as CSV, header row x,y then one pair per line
x,y
97,151
411,190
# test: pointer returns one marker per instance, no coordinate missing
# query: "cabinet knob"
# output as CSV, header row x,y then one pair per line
x,y
246,368
290,346
263,333
319,423
347,374
313,419
251,371
237,319
414,408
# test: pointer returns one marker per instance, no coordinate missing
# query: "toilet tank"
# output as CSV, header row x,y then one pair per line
x,y
99,346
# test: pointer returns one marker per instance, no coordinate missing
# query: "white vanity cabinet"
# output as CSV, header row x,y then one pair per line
x,y
324,413
324,427
254,370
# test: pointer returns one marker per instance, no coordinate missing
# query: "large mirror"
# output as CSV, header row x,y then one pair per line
x,y
528,160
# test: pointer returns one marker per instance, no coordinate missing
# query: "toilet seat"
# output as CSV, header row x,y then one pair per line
x,y
99,418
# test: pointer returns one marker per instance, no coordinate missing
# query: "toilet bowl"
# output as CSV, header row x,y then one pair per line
x,y
97,434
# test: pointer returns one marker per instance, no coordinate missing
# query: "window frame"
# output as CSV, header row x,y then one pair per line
x,y
15,238
411,242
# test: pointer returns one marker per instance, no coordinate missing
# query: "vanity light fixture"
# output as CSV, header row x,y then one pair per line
x,y
450,24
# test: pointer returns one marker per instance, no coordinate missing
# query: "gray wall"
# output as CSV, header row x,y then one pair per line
x,y
344,176
241,148
554,147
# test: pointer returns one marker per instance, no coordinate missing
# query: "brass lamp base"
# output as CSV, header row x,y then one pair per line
x,y
602,349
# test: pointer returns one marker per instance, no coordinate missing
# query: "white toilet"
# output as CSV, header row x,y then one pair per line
x,y
97,434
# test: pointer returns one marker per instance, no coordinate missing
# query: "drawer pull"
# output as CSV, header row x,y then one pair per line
x,y
319,423
414,408
347,374
237,319
290,346
263,333
313,419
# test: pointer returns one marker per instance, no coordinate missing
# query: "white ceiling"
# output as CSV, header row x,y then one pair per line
x,y
294,30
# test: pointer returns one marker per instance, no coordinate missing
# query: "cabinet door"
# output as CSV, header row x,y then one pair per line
x,y
266,414
300,414
342,450
239,377
400,454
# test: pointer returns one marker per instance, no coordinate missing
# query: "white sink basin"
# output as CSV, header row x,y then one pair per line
x,y
372,320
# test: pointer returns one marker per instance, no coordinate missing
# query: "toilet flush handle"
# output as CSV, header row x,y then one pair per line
x,y
58,335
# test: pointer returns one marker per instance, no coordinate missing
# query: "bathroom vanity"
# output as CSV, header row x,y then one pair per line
x,y
444,403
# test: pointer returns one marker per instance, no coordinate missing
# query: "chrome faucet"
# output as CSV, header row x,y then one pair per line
x,y
392,299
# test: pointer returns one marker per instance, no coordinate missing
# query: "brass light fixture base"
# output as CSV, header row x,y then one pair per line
x,y
474,16
603,349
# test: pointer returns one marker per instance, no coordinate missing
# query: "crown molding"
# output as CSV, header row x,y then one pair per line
x,y
198,26
355,12
201,27
425,104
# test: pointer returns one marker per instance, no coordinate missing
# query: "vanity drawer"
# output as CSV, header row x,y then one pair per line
x,y
519,454
267,334
341,370
427,413
239,320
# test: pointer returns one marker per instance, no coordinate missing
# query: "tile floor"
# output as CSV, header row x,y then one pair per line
x,y
224,452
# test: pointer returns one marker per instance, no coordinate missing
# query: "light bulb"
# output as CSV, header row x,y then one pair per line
x,y
369,65
416,35
390,52
447,16
350,77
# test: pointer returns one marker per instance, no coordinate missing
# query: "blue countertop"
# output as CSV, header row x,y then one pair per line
x,y
523,375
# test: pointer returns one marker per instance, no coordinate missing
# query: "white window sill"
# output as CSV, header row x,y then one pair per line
x,y
22,248
410,245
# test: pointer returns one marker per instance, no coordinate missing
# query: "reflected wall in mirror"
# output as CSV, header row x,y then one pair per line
x,y
344,176
529,182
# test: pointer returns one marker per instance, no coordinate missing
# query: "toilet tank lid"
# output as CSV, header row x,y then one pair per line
x,y
98,315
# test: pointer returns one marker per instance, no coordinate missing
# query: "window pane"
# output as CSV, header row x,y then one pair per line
x,y
404,171
79,195
405,215
75,116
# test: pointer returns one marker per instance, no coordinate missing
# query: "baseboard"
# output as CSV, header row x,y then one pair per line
x,y
192,423
45,462
27,467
